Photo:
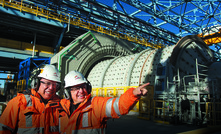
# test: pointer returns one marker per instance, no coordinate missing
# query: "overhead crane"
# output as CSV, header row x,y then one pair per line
x,y
213,38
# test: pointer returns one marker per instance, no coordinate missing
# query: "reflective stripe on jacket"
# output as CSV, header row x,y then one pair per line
x,y
27,114
92,114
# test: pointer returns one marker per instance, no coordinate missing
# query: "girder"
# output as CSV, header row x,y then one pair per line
x,y
190,17
119,21
160,22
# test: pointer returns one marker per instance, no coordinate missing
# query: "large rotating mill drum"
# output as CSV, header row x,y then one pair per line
x,y
174,72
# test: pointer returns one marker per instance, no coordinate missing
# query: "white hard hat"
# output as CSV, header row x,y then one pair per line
x,y
74,78
50,72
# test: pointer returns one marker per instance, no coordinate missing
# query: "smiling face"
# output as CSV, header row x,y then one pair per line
x,y
79,93
47,89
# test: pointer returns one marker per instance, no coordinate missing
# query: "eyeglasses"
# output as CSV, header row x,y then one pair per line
x,y
77,88
47,83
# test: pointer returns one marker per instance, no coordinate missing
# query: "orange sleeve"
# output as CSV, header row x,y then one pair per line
x,y
127,101
108,107
9,117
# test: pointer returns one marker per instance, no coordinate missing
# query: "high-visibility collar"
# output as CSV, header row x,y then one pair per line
x,y
66,104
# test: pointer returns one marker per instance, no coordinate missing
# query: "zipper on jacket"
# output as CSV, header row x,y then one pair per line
x,y
77,123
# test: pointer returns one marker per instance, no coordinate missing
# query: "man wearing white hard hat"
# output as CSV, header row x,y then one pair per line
x,y
83,114
35,112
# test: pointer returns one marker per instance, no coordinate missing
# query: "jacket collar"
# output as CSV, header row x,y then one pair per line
x,y
66,104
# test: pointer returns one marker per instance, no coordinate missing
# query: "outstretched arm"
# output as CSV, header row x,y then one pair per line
x,y
129,99
115,107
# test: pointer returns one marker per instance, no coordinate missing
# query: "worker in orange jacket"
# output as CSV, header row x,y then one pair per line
x,y
34,113
84,114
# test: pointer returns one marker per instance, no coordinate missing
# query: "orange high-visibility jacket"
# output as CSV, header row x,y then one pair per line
x,y
91,115
27,114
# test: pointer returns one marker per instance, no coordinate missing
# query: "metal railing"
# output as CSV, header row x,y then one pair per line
x,y
113,92
213,113
25,6
21,85
163,112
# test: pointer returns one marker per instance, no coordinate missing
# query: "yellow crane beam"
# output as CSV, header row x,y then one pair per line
x,y
80,22
210,39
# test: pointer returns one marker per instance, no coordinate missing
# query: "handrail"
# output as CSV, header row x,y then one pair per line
x,y
25,6
213,112
165,109
113,92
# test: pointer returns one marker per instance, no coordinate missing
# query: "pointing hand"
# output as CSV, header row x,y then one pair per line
x,y
141,90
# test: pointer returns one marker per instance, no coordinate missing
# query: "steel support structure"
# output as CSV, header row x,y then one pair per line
x,y
27,66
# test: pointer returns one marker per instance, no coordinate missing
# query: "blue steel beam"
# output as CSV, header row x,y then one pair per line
x,y
105,15
60,39
14,55
150,19
27,66
189,16
30,16
20,54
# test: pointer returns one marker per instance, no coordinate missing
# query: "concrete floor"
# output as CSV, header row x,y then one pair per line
x,y
130,124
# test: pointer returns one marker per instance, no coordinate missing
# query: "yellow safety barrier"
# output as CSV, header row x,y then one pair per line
x,y
146,104
21,85
213,113
145,108
113,92
207,130
162,111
